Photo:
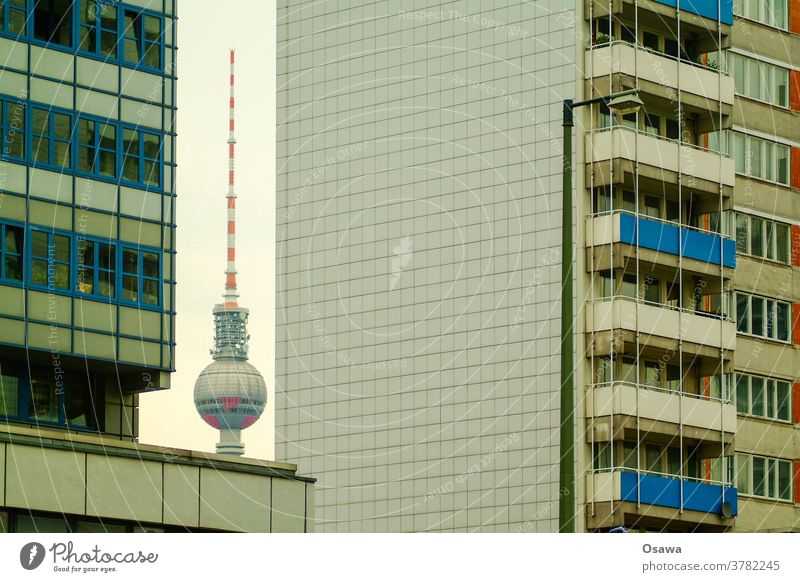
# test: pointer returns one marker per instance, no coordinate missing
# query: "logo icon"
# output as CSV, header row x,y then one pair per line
x,y
402,256
31,555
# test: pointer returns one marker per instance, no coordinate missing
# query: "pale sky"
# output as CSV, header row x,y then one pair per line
x,y
205,33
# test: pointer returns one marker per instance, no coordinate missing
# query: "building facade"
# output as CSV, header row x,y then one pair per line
x,y
418,245
87,281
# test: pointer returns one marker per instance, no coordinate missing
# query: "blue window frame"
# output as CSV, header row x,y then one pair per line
x,y
141,162
96,268
13,16
48,396
50,254
97,147
141,38
98,28
11,252
141,281
12,129
51,136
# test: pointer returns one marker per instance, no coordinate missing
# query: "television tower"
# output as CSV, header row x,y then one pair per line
x,y
230,394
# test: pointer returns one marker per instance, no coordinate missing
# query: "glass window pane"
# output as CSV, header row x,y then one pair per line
x,y
43,397
130,261
629,456
759,476
62,155
39,271
9,393
755,157
653,458
759,396
652,374
130,288
742,394
39,524
629,371
150,264
131,50
756,237
782,242
106,283
743,482
62,126
39,243
784,480
784,394
151,173
782,155
150,292
742,313
757,316
742,234
41,121
130,169
783,321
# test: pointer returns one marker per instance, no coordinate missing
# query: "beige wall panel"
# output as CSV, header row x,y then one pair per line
x,y
139,352
95,224
98,75
141,85
141,233
15,54
95,194
51,338
49,307
783,441
51,63
756,515
51,93
310,507
13,300
95,315
50,215
123,488
139,322
45,479
13,84
2,473
234,501
144,114
12,207
99,104
12,331
95,345
15,178
182,495
51,185
288,505
140,204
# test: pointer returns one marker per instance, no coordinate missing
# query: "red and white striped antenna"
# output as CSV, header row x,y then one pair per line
x,y
231,294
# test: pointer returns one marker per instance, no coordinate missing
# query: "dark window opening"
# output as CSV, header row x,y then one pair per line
x,y
52,22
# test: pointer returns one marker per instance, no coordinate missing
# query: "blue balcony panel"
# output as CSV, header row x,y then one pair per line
x,y
666,492
705,8
665,238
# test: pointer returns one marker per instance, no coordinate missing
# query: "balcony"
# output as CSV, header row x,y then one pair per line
x,y
658,326
658,410
703,251
702,88
659,159
626,497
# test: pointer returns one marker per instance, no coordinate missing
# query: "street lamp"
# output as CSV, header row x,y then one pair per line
x,y
622,103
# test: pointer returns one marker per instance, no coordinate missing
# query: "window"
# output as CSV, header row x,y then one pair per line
x,y
97,270
48,395
650,40
13,16
764,477
141,157
756,157
602,456
141,38
140,276
11,252
97,148
98,32
771,12
765,397
12,129
51,135
50,259
52,22
760,80
763,317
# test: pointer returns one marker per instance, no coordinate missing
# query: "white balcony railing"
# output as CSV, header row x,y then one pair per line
x,y
664,70
670,155
662,405
622,313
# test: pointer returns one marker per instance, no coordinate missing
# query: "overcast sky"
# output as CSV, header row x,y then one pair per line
x,y
205,33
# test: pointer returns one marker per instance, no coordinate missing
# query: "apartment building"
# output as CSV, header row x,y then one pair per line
x,y
87,284
418,285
